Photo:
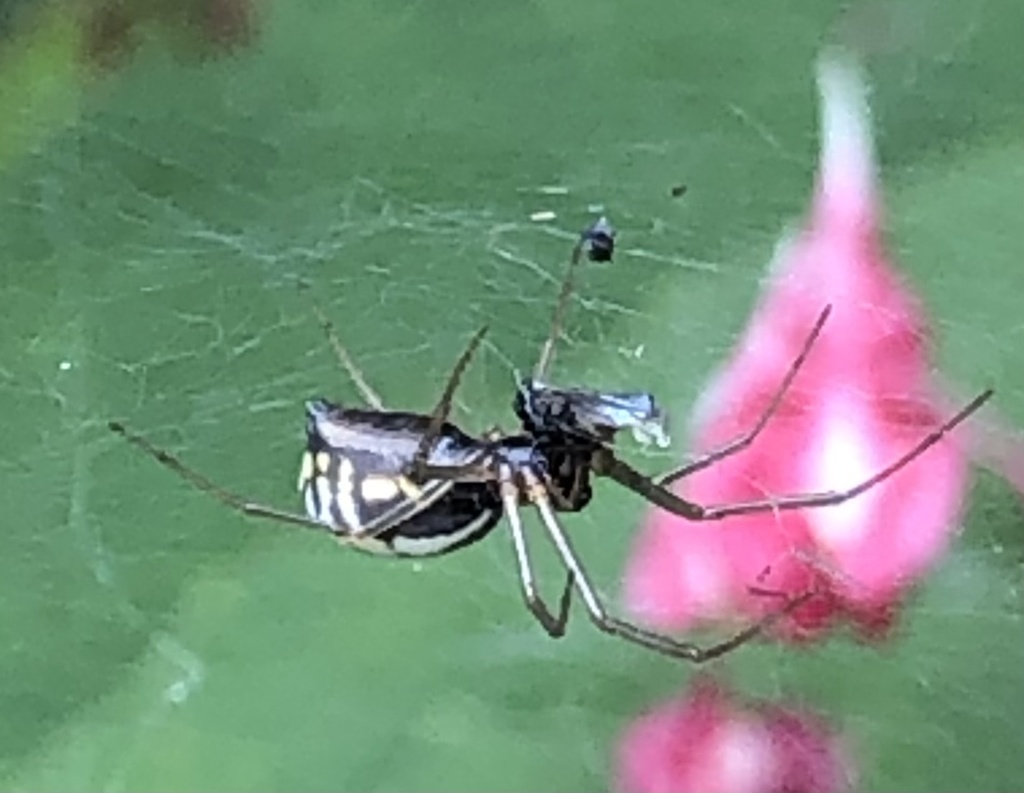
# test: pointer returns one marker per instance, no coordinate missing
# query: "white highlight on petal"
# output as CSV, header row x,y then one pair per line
x,y
847,153
744,756
707,578
841,456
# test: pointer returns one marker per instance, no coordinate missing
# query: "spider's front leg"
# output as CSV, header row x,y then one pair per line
x,y
607,464
744,441
597,242
553,624
624,629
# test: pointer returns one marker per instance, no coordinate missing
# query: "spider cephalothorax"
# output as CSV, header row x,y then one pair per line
x,y
589,414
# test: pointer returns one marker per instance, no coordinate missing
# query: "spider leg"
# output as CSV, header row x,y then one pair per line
x,y
200,482
368,393
370,396
479,470
547,351
607,464
438,416
629,631
554,625
742,442
405,510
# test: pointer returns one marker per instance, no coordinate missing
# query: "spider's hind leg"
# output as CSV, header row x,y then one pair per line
x,y
200,482
369,395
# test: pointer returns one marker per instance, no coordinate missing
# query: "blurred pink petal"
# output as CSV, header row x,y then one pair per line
x,y
863,398
707,743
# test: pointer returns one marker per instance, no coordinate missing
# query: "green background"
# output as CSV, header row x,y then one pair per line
x,y
154,225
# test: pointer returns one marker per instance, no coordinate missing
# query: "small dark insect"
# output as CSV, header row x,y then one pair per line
x,y
678,190
408,484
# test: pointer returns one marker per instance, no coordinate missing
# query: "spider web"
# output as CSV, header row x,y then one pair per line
x,y
424,187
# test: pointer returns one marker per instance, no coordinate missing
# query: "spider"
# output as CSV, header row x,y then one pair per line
x,y
407,484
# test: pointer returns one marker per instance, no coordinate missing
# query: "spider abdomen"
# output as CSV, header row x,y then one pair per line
x,y
354,481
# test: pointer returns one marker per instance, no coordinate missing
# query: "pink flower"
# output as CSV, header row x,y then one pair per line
x,y
705,743
863,398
